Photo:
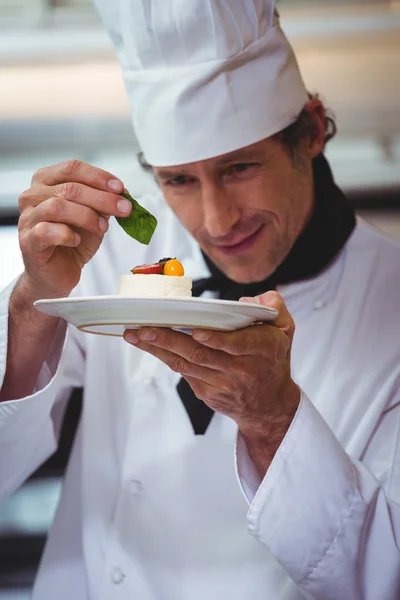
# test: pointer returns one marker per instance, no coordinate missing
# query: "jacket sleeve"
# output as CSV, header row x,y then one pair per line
x,y
29,427
331,524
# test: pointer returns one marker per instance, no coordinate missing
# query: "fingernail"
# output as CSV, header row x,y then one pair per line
x,y
103,223
115,185
201,336
132,338
77,238
255,300
148,335
124,206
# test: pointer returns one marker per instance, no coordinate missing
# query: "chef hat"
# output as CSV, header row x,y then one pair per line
x,y
203,77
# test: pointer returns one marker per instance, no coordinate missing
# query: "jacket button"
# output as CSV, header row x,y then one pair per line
x,y
319,304
117,576
135,487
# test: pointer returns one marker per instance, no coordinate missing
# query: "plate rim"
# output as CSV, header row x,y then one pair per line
x,y
188,299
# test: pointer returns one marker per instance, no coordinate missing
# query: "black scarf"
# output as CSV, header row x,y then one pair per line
x,y
326,233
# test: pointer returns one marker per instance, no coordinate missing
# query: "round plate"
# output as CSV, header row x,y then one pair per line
x,y
112,315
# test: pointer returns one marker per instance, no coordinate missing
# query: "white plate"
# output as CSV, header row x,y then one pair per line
x,y
111,315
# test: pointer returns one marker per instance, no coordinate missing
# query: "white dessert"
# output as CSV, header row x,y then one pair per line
x,y
146,286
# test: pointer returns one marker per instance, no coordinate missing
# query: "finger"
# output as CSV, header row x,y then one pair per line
x,y
105,203
178,364
25,218
58,210
186,347
80,172
272,299
47,235
252,341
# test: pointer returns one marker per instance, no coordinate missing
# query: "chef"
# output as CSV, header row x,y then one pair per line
x,y
261,463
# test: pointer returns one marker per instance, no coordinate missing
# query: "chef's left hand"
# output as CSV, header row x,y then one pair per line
x,y
243,374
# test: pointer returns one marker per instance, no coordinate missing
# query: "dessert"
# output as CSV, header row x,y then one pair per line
x,y
164,278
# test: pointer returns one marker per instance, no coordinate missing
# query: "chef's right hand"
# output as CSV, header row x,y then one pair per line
x,y
64,216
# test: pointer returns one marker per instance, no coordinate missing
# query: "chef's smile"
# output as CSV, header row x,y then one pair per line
x,y
244,244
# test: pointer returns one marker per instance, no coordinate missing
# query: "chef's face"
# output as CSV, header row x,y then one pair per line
x,y
246,208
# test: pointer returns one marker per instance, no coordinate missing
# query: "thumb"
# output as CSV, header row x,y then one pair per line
x,y
274,300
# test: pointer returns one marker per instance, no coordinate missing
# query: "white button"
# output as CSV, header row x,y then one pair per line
x,y
319,303
117,576
135,487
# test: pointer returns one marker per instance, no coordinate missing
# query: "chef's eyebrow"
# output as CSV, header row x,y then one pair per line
x,y
237,156
164,175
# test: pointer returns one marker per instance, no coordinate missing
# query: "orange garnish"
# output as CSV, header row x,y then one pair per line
x,y
174,267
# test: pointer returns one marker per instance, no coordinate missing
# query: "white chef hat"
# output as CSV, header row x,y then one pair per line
x,y
203,77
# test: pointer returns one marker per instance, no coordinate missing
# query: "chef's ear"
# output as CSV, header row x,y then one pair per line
x,y
317,137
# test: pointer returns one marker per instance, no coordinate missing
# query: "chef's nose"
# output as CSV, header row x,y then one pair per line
x,y
220,211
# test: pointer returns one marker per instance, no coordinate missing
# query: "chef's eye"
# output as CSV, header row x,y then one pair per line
x,y
239,168
180,180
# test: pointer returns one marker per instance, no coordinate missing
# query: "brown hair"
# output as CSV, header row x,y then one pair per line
x,y
304,127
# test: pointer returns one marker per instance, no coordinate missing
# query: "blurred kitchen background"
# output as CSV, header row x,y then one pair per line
x,y
62,96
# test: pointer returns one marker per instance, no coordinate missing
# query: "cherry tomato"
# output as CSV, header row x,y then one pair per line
x,y
174,267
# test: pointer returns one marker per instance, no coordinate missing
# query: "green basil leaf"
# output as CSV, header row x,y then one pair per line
x,y
140,224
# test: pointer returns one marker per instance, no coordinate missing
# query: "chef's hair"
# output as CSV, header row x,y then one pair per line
x,y
303,127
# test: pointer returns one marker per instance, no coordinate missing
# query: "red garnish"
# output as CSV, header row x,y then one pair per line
x,y
155,269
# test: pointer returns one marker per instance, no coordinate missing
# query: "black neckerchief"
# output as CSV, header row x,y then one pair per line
x,y
326,233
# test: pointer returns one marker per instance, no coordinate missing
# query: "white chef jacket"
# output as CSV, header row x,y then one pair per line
x,y
150,511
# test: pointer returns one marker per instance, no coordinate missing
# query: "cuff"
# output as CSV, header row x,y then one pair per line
x,y
26,415
27,432
246,472
52,362
50,366
4,302
299,507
